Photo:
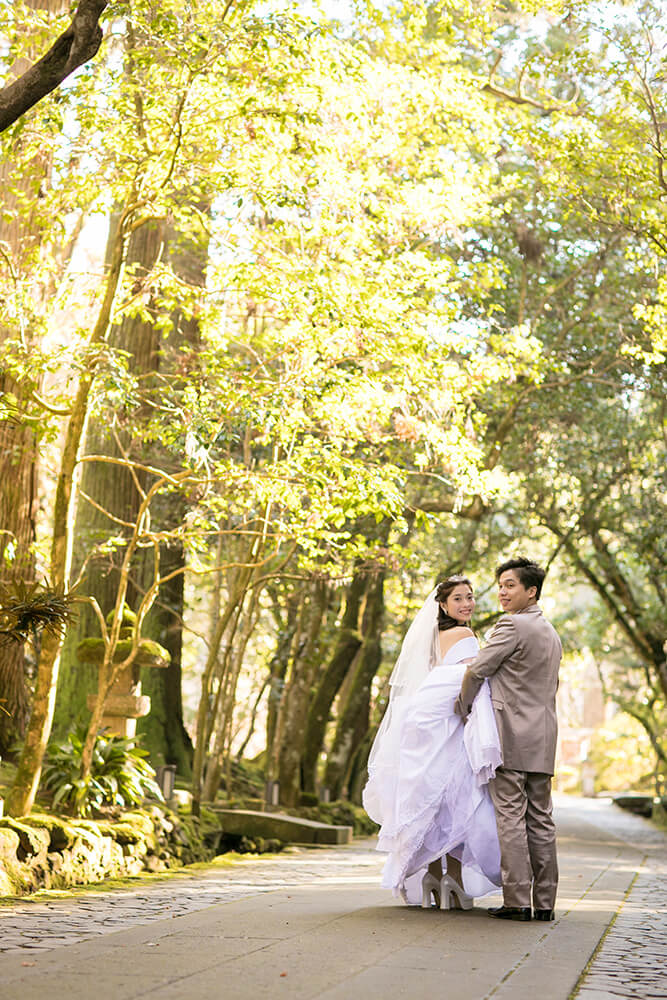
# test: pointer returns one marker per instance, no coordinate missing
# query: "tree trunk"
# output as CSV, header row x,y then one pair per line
x,y
253,721
113,489
347,646
23,792
228,702
359,769
218,716
353,721
304,664
75,46
163,727
166,735
287,625
203,725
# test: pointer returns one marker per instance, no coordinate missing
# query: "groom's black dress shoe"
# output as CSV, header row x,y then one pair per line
x,y
511,912
544,915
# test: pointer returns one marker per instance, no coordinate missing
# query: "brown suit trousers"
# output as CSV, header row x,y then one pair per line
x,y
527,835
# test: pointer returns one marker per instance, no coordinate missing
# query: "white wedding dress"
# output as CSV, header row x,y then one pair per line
x,y
427,784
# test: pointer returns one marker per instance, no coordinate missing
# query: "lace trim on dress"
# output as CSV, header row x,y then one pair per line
x,y
426,823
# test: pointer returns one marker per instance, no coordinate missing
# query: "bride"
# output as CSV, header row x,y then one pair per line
x,y
427,773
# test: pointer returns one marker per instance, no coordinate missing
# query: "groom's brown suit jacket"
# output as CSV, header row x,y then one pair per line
x,y
521,661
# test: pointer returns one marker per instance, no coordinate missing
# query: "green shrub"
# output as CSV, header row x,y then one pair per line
x,y
120,775
247,780
340,813
309,799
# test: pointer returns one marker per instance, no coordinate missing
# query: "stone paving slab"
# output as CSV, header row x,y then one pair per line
x,y
42,923
316,924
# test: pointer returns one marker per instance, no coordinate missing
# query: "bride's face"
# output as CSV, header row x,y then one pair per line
x,y
460,604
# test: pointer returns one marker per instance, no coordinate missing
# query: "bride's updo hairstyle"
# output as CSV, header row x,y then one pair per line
x,y
445,588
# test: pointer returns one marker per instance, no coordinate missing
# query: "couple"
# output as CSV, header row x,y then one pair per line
x,y
460,770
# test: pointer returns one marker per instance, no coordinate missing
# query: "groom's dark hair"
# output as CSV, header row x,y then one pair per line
x,y
530,574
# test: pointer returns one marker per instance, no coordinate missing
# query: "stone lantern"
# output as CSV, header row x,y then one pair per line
x,y
124,703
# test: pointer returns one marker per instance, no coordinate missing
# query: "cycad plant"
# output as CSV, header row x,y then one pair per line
x,y
27,608
120,775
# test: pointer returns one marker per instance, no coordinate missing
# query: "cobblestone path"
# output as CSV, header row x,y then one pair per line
x,y
632,959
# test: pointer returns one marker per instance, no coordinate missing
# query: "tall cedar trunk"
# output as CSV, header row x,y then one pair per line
x,y
353,721
347,646
169,739
298,695
149,352
18,501
111,487
21,232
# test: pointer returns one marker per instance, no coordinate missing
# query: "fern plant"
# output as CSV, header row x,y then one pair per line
x,y
120,774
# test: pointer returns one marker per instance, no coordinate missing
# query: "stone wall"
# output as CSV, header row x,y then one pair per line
x,y
49,852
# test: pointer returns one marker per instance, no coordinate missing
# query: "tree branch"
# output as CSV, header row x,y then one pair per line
x,y
74,47
630,709
637,639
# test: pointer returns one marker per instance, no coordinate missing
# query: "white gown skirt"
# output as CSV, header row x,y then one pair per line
x,y
430,799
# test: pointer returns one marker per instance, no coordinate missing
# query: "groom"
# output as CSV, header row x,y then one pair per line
x,y
521,661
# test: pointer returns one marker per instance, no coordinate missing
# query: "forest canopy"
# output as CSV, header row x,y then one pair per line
x,y
304,306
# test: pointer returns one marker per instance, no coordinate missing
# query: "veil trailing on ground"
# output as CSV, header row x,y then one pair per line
x,y
417,657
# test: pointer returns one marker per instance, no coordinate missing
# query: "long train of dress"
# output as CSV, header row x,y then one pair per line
x,y
427,786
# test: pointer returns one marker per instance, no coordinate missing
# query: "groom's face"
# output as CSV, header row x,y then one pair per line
x,y
512,594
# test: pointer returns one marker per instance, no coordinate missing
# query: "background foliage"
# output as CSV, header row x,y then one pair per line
x,y
301,312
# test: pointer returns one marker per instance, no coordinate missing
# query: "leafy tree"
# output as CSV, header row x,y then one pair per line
x,y
379,300
584,264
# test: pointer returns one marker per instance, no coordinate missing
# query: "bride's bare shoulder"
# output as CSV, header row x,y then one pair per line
x,y
450,636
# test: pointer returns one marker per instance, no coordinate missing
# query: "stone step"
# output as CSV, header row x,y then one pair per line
x,y
280,826
641,805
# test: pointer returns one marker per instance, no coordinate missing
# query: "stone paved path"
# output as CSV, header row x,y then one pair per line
x,y
42,924
631,961
410,953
